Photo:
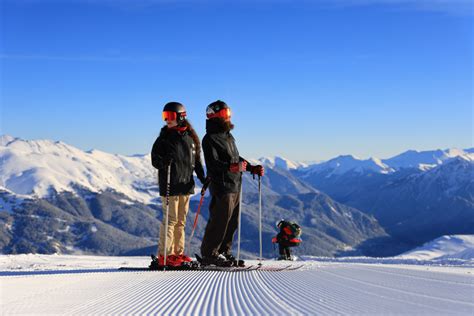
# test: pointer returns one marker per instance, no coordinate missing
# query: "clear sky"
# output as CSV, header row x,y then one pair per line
x,y
308,80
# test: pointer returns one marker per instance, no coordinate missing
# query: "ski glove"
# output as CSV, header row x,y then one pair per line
x,y
205,184
238,167
258,170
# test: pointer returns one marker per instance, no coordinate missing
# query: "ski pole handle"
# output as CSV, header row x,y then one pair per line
x,y
205,185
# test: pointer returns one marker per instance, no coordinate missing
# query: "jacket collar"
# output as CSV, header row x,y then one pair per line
x,y
218,125
167,131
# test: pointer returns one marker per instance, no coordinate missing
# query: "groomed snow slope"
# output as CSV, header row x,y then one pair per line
x,y
320,288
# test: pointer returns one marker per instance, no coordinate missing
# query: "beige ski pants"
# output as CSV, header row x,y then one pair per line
x,y
179,206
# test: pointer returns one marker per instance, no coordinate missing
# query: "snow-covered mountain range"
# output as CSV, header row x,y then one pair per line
x,y
74,193
35,168
423,160
61,199
32,168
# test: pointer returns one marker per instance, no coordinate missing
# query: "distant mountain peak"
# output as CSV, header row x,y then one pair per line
x,y
6,139
349,163
279,162
425,160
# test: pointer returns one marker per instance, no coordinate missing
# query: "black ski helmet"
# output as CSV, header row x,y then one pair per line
x,y
178,108
214,109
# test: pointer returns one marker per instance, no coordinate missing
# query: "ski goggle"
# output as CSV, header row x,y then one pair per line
x,y
224,113
172,116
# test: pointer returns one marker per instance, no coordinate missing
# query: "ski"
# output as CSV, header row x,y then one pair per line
x,y
280,268
292,268
187,268
217,268
229,266
227,269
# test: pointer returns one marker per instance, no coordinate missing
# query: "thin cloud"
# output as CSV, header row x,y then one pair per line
x,y
462,7
143,59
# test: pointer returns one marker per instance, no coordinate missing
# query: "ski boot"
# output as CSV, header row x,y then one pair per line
x,y
235,263
284,257
218,261
172,261
154,265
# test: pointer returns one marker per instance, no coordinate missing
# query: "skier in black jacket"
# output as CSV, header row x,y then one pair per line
x,y
287,237
177,145
224,167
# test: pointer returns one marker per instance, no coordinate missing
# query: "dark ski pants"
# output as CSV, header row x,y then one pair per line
x,y
222,224
284,250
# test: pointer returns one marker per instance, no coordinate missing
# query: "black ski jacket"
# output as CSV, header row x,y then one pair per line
x,y
220,151
180,147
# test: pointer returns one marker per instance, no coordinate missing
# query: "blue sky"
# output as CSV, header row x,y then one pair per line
x,y
307,81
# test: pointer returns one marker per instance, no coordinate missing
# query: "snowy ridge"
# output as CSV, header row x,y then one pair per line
x,y
346,163
424,160
279,162
427,159
445,247
33,168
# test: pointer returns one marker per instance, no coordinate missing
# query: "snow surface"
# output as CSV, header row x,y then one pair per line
x,y
56,284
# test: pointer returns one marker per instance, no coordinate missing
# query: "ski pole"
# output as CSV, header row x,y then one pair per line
x,y
168,180
203,192
260,216
240,217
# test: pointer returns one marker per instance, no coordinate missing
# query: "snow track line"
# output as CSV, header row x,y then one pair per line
x,y
196,292
401,282
404,292
462,279
272,299
291,292
194,296
358,295
97,305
